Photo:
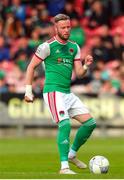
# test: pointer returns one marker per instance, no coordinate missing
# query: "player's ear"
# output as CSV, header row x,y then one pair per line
x,y
55,29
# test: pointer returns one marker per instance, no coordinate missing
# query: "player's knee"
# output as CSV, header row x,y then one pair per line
x,y
65,124
90,123
64,128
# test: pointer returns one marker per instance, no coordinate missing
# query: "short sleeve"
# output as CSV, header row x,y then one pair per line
x,y
78,54
43,51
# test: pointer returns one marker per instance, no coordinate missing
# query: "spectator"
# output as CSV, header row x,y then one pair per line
x,y
22,61
107,41
95,85
69,9
28,27
99,52
121,88
19,10
35,39
107,88
45,25
114,7
34,15
13,27
77,33
3,85
111,74
99,15
118,48
55,6
4,50
86,6
4,6
22,45
1,27
106,37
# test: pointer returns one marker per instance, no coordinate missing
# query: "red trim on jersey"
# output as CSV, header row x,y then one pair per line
x,y
38,57
50,40
77,59
54,96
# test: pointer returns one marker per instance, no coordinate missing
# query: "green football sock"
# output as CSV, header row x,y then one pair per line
x,y
63,140
83,133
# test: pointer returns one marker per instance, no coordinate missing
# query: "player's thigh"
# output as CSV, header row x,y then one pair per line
x,y
56,105
82,117
79,110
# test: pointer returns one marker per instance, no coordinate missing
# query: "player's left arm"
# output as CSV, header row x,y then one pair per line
x,y
79,69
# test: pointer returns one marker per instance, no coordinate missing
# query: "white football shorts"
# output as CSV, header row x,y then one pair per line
x,y
64,106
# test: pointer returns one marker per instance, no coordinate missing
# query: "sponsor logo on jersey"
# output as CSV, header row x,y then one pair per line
x,y
64,61
61,113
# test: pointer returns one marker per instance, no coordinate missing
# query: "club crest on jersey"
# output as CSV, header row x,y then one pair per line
x,y
61,113
71,50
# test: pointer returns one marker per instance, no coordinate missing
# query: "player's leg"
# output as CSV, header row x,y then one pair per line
x,y
83,133
57,107
81,114
63,141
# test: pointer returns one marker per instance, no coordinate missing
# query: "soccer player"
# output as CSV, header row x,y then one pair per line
x,y
60,56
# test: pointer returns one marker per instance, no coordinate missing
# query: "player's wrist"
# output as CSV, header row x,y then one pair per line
x,y
28,90
86,67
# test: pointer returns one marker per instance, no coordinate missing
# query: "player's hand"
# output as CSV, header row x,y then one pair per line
x,y
88,60
29,99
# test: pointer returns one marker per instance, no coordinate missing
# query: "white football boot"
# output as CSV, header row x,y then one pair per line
x,y
78,163
66,171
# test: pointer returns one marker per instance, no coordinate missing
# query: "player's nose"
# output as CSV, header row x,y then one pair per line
x,y
67,30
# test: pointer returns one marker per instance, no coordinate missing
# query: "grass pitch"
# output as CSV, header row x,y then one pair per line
x,y
37,158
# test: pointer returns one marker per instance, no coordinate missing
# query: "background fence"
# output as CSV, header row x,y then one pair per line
x,y
17,114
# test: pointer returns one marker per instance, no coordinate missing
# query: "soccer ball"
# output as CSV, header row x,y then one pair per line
x,y
99,165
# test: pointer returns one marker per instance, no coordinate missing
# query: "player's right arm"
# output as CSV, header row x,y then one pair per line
x,y
41,53
35,61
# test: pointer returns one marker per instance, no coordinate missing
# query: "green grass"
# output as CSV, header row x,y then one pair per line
x,y
37,158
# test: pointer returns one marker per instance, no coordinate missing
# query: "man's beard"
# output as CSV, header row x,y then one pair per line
x,y
62,37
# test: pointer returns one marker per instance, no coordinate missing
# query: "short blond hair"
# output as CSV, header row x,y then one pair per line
x,y
60,17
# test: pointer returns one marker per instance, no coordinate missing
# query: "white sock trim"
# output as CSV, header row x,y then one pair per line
x,y
64,164
72,153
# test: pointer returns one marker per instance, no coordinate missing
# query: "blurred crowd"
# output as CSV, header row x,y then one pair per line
x,y
97,26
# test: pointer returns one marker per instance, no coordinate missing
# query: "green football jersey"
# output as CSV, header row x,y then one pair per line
x,y
59,60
